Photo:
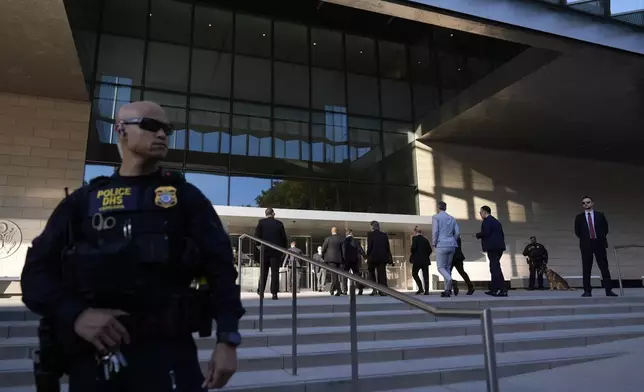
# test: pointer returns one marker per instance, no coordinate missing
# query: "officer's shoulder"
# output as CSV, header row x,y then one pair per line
x,y
173,177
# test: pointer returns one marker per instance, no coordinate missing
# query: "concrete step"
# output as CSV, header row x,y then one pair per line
x,y
10,329
388,376
19,372
21,347
324,304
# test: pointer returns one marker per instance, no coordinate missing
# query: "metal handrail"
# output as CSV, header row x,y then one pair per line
x,y
485,314
619,271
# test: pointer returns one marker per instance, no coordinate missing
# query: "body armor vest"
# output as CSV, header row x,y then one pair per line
x,y
130,245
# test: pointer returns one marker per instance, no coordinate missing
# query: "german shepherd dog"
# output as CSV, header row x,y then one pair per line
x,y
555,281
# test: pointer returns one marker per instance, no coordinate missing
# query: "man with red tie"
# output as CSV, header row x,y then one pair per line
x,y
591,227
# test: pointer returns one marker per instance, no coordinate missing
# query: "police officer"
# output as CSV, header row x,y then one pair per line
x,y
130,246
537,256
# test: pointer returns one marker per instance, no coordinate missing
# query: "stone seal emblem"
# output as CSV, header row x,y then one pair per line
x,y
10,238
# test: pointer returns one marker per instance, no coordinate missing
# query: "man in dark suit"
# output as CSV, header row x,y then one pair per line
x,y
493,243
352,254
332,254
292,263
591,227
378,255
271,230
420,252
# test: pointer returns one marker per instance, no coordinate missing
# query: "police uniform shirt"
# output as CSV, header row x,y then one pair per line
x,y
104,206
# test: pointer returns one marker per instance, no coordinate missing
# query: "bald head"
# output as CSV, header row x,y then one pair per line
x,y
334,230
141,109
143,130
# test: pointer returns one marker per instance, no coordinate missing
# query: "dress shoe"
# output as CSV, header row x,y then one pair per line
x,y
610,293
530,288
445,294
586,294
382,294
491,293
426,293
360,292
456,290
338,294
470,292
275,297
419,292
373,293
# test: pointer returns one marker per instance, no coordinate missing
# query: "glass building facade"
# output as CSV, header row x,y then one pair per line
x,y
303,105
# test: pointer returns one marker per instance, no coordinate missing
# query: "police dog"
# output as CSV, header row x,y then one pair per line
x,y
555,281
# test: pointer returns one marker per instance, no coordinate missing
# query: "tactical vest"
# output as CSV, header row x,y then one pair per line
x,y
130,244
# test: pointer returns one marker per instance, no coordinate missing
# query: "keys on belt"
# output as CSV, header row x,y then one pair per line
x,y
111,364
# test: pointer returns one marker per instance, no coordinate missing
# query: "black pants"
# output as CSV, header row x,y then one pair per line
x,y
415,268
151,367
336,286
378,272
496,274
461,270
535,273
274,263
599,251
354,268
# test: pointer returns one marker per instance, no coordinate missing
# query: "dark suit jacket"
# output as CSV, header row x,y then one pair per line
x,y
352,250
420,251
459,257
378,250
332,249
583,232
491,235
289,258
271,230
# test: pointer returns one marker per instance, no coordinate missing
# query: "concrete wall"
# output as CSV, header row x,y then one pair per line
x,y
532,195
42,150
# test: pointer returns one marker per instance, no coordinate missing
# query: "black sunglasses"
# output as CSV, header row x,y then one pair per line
x,y
150,125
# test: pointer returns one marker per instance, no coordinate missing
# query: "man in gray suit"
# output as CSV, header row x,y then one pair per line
x,y
293,264
445,232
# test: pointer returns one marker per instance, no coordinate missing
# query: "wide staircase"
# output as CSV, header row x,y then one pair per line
x,y
399,348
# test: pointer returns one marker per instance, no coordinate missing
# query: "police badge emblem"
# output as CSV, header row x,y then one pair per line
x,y
165,196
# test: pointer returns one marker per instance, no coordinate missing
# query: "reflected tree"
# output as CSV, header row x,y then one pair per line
x,y
305,195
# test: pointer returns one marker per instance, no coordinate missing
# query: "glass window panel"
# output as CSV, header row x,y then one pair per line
x,y
401,200
363,95
170,21
393,60
252,109
211,73
330,196
93,171
420,64
290,114
125,17
291,42
326,49
361,55
209,132
330,150
167,66
395,99
366,155
253,35
166,99
399,127
293,194
252,79
339,115
213,105
83,14
364,123
213,28
247,191
86,49
328,88
292,140
394,142
110,99
399,159
213,186
291,84
112,51
177,117
425,100
251,136
453,77
367,198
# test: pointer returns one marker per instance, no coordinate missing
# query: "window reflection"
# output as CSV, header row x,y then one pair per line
x,y
393,60
363,95
167,66
252,79
361,55
366,155
109,100
367,198
326,49
209,132
330,196
248,191
292,140
290,42
213,28
213,186
328,88
401,200
330,142
291,84
251,136
396,99
111,54
93,171
210,73
177,117
293,194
